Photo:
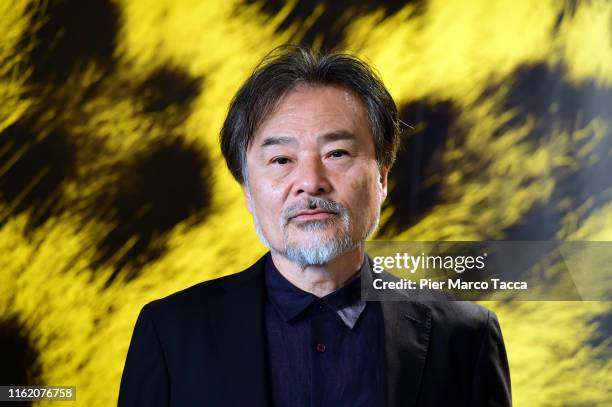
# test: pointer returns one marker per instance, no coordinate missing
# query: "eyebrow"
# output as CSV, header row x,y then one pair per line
x,y
280,140
336,136
326,138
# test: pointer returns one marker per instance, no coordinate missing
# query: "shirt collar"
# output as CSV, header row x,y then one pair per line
x,y
291,301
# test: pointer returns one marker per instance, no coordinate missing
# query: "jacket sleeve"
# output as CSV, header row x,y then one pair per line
x,y
145,376
491,386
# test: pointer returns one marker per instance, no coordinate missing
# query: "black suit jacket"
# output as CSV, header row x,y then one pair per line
x,y
205,346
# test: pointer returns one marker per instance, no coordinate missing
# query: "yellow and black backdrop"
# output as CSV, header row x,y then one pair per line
x,y
113,191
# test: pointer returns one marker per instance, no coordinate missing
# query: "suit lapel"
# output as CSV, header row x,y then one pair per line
x,y
237,320
407,329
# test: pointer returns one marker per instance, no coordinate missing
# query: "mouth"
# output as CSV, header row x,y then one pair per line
x,y
305,216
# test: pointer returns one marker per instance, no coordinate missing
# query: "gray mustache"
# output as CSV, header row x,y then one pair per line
x,y
311,204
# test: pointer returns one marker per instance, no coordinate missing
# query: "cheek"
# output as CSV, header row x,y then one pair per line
x,y
366,195
359,186
268,199
356,185
366,189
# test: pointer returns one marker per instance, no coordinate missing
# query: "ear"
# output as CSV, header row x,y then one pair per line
x,y
247,197
384,172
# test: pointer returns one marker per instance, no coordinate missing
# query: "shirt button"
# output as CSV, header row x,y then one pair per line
x,y
320,306
320,347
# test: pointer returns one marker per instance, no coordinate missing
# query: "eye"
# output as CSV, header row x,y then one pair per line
x,y
338,153
280,160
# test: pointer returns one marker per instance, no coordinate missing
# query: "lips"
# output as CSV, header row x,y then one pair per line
x,y
313,215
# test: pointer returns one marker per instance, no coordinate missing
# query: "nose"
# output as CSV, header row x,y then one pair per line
x,y
311,177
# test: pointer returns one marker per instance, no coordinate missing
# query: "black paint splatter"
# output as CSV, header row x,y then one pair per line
x,y
65,35
20,358
568,10
36,162
168,87
412,190
330,27
167,184
541,93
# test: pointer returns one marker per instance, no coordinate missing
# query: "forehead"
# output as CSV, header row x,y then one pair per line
x,y
315,110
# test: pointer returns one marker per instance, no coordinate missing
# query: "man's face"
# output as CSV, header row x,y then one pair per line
x,y
314,187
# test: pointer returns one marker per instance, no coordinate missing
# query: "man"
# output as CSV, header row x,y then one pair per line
x,y
311,139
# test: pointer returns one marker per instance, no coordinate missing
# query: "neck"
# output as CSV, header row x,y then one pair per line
x,y
321,280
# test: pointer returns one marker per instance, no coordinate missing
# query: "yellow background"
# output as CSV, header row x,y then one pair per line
x,y
80,323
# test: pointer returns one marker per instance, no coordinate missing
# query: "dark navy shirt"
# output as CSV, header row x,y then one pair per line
x,y
323,351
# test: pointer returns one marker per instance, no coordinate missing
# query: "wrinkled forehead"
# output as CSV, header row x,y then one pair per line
x,y
307,112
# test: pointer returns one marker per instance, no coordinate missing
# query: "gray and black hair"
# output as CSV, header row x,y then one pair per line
x,y
290,66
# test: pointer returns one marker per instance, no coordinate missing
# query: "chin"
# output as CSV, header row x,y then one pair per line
x,y
307,237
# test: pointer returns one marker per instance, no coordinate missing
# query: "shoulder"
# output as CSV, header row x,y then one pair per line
x,y
465,312
461,318
196,298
